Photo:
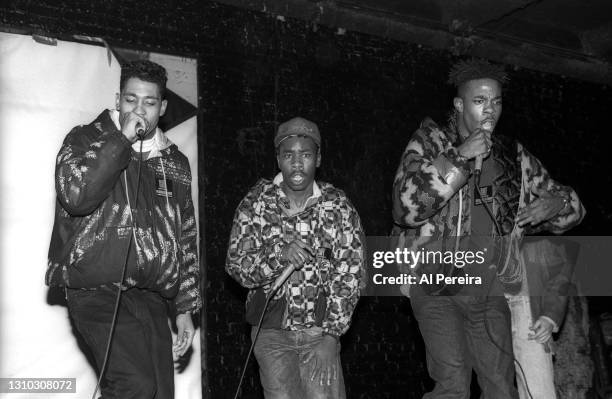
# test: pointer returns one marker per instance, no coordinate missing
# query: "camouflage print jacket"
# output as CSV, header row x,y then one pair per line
x,y
322,293
96,178
430,179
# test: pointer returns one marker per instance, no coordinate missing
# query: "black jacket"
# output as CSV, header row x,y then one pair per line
x,y
96,176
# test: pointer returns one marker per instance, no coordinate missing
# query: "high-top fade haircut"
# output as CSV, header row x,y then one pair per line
x,y
466,70
147,71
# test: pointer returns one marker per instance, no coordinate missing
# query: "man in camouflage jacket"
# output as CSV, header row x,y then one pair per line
x,y
434,201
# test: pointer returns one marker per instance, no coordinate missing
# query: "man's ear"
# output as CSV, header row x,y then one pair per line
x,y
162,110
318,157
458,104
117,100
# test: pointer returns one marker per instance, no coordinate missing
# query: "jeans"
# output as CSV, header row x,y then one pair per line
x,y
536,363
462,333
283,373
140,364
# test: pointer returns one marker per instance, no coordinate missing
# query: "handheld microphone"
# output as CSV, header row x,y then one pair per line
x,y
477,169
478,165
323,253
478,159
280,280
140,130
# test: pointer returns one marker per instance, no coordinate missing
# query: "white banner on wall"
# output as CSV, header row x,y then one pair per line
x,y
45,90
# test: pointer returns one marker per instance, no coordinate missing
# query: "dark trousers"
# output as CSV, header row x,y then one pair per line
x,y
140,363
462,333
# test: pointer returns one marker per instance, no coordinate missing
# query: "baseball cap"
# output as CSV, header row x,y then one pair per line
x,y
297,127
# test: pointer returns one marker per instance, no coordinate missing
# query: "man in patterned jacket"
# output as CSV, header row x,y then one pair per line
x,y
434,199
126,203
294,221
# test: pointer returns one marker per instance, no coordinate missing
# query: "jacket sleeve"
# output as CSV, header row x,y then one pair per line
x,y
560,282
87,168
347,266
427,177
538,178
188,297
251,261
553,261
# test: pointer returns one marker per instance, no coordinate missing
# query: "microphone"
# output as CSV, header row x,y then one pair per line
x,y
280,280
478,160
140,130
477,169
478,164
323,253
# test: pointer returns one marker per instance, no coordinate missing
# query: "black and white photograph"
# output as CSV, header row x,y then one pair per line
x,y
303,199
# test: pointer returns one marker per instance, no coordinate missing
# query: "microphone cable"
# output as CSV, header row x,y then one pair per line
x,y
324,254
489,211
263,313
486,320
123,272
275,287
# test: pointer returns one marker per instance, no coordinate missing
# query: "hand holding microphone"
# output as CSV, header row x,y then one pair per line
x,y
296,254
133,126
477,147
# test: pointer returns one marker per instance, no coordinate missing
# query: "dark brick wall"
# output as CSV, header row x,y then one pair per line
x,y
367,94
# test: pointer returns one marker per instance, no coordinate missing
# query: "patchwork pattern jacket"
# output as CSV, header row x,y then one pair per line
x,y
97,177
322,293
430,180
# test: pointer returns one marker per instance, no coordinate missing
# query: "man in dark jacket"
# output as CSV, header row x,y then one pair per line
x,y
124,222
538,311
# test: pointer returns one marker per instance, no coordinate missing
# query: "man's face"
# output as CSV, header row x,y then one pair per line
x,y
298,158
144,99
479,104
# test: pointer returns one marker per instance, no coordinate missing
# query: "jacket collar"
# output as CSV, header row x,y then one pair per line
x,y
284,200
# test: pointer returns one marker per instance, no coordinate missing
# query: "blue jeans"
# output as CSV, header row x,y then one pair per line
x,y
284,375
462,333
